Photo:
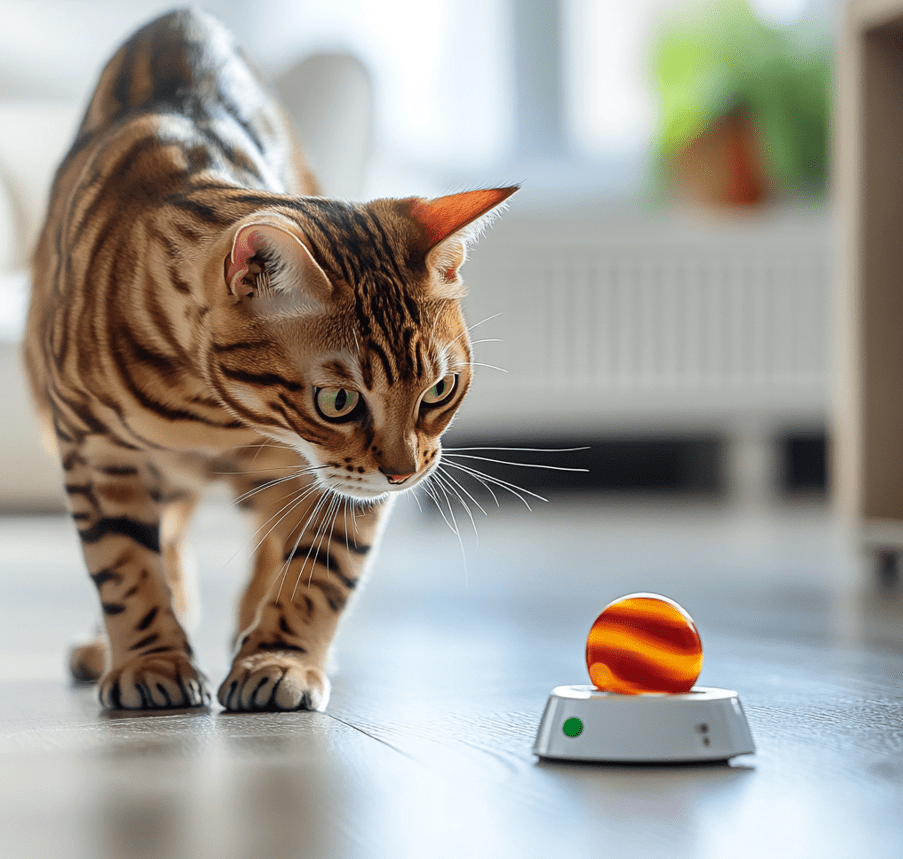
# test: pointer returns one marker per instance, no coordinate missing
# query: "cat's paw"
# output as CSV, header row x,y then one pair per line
x,y
88,661
273,681
161,681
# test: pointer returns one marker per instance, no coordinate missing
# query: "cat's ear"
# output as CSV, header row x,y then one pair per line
x,y
451,224
271,267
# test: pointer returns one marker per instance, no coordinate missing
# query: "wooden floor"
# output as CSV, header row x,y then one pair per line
x,y
442,669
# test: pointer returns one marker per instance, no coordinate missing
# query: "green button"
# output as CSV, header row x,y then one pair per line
x,y
573,727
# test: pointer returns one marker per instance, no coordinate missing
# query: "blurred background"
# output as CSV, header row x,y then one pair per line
x,y
661,288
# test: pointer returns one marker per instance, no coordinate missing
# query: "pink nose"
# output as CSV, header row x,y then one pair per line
x,y
396,479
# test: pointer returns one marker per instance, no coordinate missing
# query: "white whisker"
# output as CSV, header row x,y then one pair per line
x,y
467,331
283,573
482,321
324,505
443,480
464,490
528,449
245,471
502,484
455,522
274,482
476,476
518,464
285,510
477,364
428,488
332,513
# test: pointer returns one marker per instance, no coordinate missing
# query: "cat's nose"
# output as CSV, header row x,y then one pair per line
x,y
396,479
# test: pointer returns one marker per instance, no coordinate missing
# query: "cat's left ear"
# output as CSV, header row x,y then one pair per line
x,y
451,224
272,269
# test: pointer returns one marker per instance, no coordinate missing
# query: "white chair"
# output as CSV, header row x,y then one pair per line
x,y
330,99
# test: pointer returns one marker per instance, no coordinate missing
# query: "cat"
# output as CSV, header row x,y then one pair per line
x,y
199,311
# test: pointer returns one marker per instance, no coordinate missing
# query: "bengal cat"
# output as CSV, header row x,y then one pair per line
x,y
197,311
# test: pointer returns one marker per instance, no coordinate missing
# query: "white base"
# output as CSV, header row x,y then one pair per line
x,y
705,724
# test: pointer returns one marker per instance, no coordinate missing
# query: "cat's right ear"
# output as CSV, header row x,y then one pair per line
x,y
272,268
450,225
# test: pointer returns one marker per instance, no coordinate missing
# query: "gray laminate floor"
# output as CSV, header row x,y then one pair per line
x,y
442,668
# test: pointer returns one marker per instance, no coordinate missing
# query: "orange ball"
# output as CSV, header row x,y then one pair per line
x,y
643,643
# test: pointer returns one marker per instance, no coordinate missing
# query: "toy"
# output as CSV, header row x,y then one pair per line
x,y
643,654
643,643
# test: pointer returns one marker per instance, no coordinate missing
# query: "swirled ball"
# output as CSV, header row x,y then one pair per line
x,y
643,643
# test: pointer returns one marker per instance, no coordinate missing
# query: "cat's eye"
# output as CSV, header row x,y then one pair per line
x,y
337,404
441,391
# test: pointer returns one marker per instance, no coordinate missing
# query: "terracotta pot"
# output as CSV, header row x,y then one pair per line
x,y
723,165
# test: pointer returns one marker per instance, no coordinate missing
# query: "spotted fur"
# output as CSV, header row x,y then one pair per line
x,y
193,298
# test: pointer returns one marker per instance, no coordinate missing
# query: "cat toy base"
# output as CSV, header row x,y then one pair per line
x,y
580,723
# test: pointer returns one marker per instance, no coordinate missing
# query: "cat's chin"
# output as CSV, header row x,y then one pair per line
x,y
361,496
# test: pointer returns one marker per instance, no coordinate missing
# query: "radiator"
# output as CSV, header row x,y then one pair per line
x,y
655,325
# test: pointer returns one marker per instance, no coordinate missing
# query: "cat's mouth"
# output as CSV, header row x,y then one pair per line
x,y
371,487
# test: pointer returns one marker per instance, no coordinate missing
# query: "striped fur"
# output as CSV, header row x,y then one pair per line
x,y
193,300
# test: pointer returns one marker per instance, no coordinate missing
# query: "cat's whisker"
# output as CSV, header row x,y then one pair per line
x,y
518,464
528,449
478,364
502,484
428,488
330,513
443,480
486,486
351,503
256,454
335,515
276,446
245,471
451,512
457,483
481,322
479,479
345,526
318,506
285,510
470,328
456,529
354,508
329,517
270,483
487,340
283,573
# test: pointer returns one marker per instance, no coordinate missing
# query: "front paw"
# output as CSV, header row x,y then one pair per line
x,y
161,681
273,681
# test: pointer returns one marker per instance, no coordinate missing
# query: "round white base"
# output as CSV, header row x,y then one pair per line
x,y
583,724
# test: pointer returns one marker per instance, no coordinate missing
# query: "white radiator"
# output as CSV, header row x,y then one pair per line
x,y
654,324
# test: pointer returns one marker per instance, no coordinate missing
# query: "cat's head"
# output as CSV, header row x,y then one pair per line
x,y
341,332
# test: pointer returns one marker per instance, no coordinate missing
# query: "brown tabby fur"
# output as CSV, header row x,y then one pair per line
x,y
191,297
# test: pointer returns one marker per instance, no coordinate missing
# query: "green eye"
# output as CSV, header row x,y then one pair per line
x,y
441,391
336,404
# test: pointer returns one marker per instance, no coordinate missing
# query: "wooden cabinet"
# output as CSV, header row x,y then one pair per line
x,y
868,160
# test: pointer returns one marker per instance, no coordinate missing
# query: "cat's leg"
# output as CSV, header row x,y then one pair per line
x,y
89,660
306,569
117,498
